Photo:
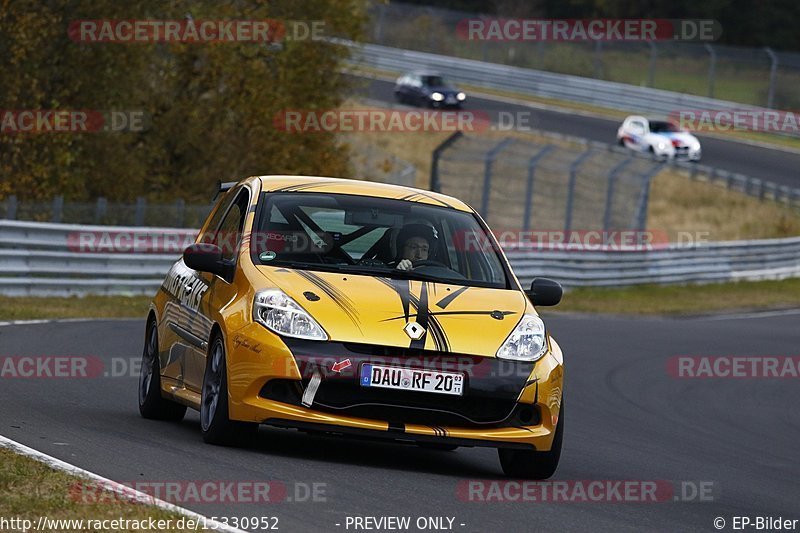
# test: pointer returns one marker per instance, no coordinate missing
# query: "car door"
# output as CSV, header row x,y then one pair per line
x,y
402,87
183,286
215,292
637,130
416,88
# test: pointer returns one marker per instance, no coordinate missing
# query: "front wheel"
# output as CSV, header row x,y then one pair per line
x,y
215,425
151,404
529,464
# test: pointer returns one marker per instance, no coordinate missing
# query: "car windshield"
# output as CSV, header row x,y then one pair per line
x,y
373,236
433,81
662,127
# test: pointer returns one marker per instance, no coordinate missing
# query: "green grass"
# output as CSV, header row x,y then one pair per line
x,y
683,299
640,299
30,489
27,308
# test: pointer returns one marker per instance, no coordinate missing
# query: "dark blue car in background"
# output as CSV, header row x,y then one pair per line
x,y
427,89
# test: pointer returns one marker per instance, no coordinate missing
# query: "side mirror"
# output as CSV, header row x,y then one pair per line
x,y
205,258
545,292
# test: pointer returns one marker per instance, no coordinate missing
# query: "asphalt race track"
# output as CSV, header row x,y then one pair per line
x,y
754,161
627,419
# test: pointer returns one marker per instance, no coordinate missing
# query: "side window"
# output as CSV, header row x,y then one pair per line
x,y
221,208
229,235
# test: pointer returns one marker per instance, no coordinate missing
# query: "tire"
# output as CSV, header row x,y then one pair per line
x,y
621,141
528,464
151,404
215,426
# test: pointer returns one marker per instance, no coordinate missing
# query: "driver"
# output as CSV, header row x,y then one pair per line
x,y
415,242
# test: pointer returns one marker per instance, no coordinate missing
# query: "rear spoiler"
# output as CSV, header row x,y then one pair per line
x,y
223,186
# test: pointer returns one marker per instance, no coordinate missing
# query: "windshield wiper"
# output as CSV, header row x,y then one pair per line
x,y
410,274
334,267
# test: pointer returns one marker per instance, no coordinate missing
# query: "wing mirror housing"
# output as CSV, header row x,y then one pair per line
x,y
545,291
206,258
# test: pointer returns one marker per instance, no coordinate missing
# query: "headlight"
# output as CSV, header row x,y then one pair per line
x,y
461,96
437,97
527,342
275,310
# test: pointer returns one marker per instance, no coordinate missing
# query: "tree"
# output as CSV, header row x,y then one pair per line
x,y
209,106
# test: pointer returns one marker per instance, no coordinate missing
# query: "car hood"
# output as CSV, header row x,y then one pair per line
x,y
375,310
682,136
444,90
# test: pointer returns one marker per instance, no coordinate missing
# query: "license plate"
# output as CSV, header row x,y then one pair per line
x,y
413,379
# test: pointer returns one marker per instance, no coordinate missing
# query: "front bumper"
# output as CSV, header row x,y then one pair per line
x,y
505,403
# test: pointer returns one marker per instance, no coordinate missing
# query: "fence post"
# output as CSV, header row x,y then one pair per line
x,y
139,217
651,71
58,208
598,59
612,182
437,152
487,173
100,210
573,176
180,209
378,34
11,207
712,69
532,162
773,76
644,199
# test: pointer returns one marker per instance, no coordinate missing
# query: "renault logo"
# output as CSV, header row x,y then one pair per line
x,y
414,330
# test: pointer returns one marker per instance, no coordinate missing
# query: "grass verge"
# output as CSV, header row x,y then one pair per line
x,y
28,308
683,299
636,300
30,490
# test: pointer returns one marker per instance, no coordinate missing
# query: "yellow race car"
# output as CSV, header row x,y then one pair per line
x,y
355,308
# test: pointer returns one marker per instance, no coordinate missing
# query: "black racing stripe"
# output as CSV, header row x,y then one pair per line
x,y
300,187
447,300
403,290
341,299
437,331
505,313
422,318
429,197
413,198
397,426
440,313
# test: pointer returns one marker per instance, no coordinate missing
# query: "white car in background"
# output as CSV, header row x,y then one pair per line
x,y
661,138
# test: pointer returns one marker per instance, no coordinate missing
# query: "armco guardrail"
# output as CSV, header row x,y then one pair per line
x,y
41,259
539,83
66,259
708,262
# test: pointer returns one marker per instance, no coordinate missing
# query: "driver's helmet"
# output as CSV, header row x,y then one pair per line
x,y
425,231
